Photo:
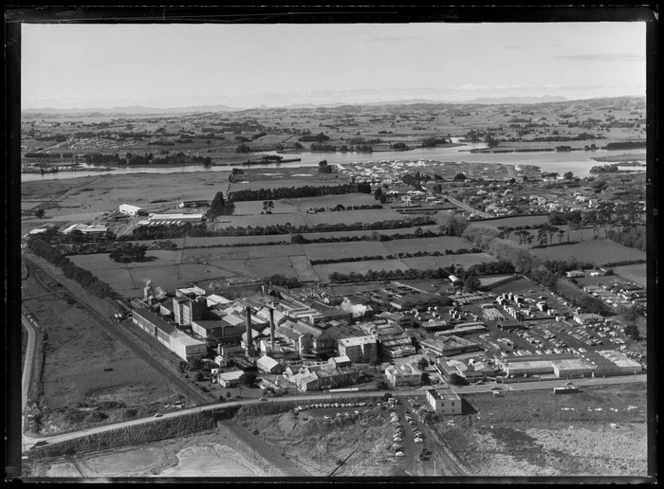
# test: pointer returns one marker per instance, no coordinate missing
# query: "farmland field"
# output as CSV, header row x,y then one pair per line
x,y
320,251
223,222
303,268
301,205
598,252
324,271
428,244
351,217
196,255
517,221
467,260
635,273
283,177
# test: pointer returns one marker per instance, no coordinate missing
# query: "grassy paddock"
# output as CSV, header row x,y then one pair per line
x,y
441,244
597,252
319,251
635,273
466,261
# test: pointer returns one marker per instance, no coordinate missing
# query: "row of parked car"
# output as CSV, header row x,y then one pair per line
x,y
320,405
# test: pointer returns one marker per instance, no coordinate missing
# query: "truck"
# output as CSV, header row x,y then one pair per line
x,y
567,389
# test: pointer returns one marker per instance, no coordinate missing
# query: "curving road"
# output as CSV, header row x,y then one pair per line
x,y
468,208
28,362
329,396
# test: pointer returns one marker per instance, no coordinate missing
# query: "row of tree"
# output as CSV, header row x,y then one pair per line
x,y
87,280
487,237
297,192
379,275
403,254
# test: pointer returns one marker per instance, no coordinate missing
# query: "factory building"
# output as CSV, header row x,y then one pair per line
x,y
178,342
572,367
217,328
621,364
360,349
269,365
187,347
186,310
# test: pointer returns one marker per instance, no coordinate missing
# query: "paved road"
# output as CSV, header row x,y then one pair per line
x,y
550,384
303,399
27,365
465,206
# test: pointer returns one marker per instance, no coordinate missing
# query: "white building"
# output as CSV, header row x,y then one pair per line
x,y
131,210
403,375
187,347
230,379
175,218
444,402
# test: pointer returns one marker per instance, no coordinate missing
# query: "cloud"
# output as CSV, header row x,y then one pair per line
x,y
392,39
603,57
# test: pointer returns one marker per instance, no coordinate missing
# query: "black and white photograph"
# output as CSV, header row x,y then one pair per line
x,y
390,245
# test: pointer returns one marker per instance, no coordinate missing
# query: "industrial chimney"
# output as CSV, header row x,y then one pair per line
x,y
250,346
272,328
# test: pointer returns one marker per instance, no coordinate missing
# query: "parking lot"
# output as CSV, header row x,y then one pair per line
x,y
403,422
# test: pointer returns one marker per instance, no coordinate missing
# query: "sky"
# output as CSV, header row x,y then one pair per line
x,y
176,65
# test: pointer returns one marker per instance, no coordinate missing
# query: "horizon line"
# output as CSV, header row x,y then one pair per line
x,y
413,101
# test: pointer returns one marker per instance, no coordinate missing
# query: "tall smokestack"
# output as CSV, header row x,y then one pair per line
x,y
272,328
250,346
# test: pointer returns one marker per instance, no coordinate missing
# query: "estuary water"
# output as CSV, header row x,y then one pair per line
x,y
578,162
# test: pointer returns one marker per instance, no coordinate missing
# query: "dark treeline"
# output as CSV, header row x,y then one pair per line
x,y
379,275
52,156
145,159
634,237
128,252
548,273
626,145
314,138
297,192
87,280
416,254
162,231
341,208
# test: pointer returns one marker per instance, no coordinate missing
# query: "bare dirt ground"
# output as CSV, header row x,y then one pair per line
x,y
524,434
202,455
598,432
89,377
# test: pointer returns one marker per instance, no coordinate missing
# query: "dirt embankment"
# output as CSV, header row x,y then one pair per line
x,y
130,435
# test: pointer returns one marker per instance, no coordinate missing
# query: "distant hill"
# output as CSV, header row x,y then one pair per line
x,y
517,100
132,110
346,107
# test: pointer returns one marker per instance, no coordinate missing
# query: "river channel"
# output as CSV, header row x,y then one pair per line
x,y
578,162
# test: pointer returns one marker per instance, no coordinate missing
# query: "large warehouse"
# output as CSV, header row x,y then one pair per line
x,y
175,340
175,218
621,364
561,366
